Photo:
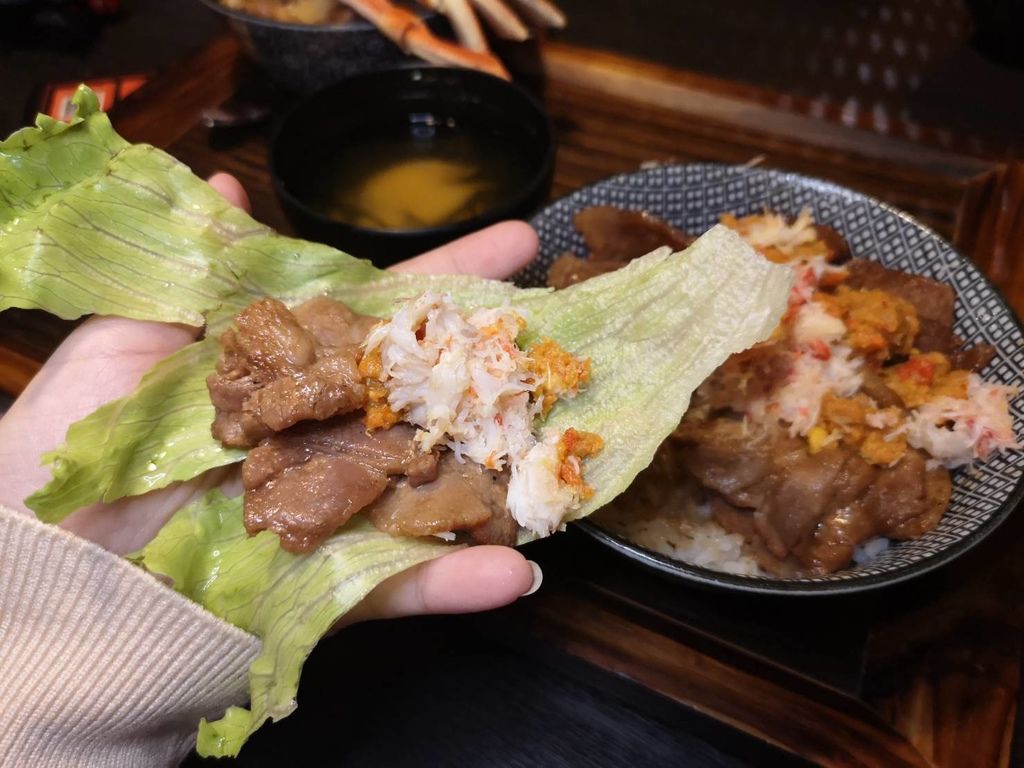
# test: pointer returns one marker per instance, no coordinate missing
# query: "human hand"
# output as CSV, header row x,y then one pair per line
x,y
105,358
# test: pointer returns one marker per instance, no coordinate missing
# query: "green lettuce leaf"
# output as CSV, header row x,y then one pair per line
x,y
35,162
141,442
76,207
89,223
653,330
289,601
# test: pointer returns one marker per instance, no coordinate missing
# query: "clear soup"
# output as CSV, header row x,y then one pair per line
x,y
419,176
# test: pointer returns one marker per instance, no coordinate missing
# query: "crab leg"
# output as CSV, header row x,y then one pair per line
x,y
411,34
505,23
543,12
463,20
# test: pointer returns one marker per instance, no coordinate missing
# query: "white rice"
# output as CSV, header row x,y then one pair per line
x,y
702,543
870,549
666,518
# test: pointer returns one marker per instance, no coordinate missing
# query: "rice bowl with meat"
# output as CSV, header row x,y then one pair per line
x,y
818,399
865,397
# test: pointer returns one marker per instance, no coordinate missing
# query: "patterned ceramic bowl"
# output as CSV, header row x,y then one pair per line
x,y
692,197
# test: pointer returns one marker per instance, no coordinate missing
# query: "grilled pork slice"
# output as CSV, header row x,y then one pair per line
x,y
279,367
815,507
305,483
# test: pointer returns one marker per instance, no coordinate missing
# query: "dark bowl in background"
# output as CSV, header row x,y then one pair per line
x,y
368,104
307,57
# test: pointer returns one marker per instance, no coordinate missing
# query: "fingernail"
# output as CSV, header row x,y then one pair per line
x,y
538,578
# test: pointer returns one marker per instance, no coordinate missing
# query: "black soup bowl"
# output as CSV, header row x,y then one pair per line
x,y
428,108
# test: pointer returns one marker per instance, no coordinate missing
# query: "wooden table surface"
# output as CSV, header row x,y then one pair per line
x,y
925,673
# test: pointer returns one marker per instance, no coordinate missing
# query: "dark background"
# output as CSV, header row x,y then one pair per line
x,y
446,691
956,65
53,41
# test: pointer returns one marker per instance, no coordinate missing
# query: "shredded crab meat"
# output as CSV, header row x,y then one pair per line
x,y
461,379
534,488
821,365
797,245
813,376
550,476
813,324
810,274
771,230
887,418
465,383
829,351
956,431
953,430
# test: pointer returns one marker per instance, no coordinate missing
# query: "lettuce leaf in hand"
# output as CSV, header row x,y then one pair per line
x,y
653,330
138,443
89,223
92,224
160,433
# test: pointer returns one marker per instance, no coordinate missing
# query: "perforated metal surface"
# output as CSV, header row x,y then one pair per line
x,y
693,197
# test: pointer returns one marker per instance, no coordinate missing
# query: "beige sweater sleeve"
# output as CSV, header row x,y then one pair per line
x,y
100,664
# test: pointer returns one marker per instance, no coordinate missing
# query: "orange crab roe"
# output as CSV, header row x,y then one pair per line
x,y
925,377
378,413
558,372
878,324
574,446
